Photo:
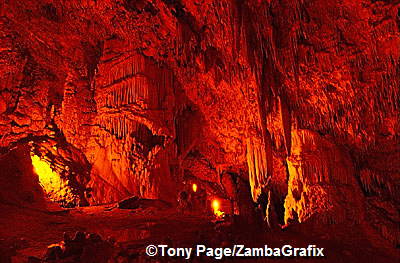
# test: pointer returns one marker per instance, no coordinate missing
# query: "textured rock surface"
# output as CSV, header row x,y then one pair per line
x,y
299,98
321,182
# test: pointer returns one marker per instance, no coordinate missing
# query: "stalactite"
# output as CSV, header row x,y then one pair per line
x,y
126,92
268,154
373,181
286,124
119,126
257,163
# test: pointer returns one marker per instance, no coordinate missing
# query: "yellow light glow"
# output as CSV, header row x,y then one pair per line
x,y
48,179
55,188
216,206
194,187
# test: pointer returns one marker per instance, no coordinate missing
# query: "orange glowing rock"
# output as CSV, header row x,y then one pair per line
x,y
194,187
53,185
49,180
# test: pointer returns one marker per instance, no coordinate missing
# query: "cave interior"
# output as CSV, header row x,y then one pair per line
x,y
181,122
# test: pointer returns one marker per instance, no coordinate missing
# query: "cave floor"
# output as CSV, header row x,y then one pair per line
x,y
32,230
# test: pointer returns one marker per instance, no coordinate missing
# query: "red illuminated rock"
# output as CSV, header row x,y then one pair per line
x,y
297,99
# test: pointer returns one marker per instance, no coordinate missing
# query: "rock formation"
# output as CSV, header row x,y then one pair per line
x,y
296,100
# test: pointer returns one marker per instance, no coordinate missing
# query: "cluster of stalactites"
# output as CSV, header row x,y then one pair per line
x,y
125,68
320,161
134,80
315,167
372,181
121,127
125,92
122,83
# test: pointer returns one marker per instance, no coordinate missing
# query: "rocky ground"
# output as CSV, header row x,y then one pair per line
x,y
288,105
27,232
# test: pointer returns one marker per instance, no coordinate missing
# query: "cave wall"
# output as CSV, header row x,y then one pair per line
x,y
298,98
20,186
